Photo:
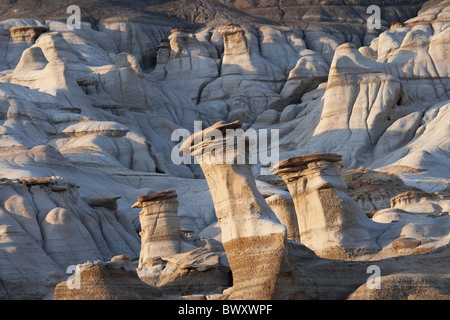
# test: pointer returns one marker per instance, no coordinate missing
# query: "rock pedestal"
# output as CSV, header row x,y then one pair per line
x,y
112,280
253,238
234,39
160,224
330,222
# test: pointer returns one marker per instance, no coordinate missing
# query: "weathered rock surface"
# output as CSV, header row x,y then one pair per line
x,y
193,63
329,221
252,236
371,110
401,278
373,190
160,226
283,207
113,280
27,34
199,271
46,220
175,264
252,227
431,203
98,107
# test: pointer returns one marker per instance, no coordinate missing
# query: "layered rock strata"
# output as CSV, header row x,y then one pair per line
x,y
46,226
383,107
248,84
284,209
265,265
371,189
160,224
191,63
253,238
330,222
197,271
427,203
112,280
27,34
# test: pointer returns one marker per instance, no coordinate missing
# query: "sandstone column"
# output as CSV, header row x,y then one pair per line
x,y
160,224
235,43
330,222
253,238
284,209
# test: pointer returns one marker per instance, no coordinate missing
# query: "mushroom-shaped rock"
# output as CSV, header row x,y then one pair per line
x,y
160,224
330,222
253,238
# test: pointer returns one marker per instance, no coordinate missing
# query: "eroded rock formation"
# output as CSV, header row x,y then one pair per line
x,y
252,236
112,280
160,224
330,222
27,34
170,261
46,227
88,106
373,190
284,209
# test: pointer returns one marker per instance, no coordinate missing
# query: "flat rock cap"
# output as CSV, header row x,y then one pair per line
x,y
305,159
221,126
231,29
29,181
40,29
168,194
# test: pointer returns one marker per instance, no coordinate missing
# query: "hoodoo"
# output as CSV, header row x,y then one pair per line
x,y
160,224
330,222
253,238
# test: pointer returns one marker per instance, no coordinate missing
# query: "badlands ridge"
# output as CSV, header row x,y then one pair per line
x,y
87,178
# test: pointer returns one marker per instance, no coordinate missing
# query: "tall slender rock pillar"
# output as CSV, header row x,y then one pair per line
x,y
330,222
160,224
253,238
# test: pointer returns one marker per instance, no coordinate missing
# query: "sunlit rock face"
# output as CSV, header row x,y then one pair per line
x,y
329,221
89,122
112,280
160,225
253,237
27,34
52,227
